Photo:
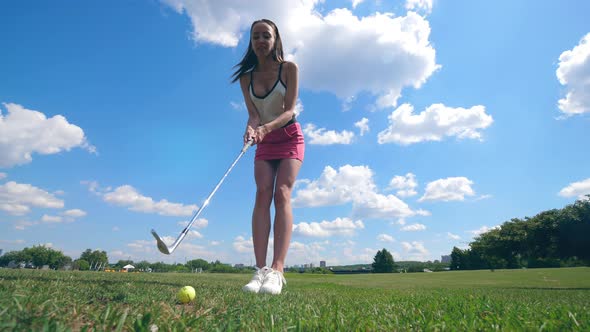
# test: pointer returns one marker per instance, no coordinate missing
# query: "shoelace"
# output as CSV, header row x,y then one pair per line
x,y
260,274
276,276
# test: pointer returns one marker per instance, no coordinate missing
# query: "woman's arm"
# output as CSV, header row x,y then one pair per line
x,y
253,116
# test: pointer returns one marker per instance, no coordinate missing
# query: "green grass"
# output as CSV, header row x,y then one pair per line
x,y
534,299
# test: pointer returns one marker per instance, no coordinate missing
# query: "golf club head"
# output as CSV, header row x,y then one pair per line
x,y
161,245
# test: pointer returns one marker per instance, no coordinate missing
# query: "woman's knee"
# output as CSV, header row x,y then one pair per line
x,y
264,194
282,195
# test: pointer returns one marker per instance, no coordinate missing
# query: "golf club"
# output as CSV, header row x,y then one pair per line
x,y
169,249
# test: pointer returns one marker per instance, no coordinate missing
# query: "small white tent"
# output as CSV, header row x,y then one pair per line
x,y
128,267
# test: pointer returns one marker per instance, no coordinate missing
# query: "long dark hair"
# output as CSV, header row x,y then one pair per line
x,y
249,61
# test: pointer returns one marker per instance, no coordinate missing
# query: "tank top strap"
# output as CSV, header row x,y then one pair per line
x,y
251,85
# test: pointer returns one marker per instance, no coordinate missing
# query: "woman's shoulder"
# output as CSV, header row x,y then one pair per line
x,y
290,66
245,77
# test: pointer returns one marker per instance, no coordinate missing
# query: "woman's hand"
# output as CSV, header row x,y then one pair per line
x,y
250,134
260,132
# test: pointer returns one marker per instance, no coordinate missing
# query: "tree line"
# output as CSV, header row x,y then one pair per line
x,y
40,256
553,238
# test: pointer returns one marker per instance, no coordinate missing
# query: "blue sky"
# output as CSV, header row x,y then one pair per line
x,y
426,122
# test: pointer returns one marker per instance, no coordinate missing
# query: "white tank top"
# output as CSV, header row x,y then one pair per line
x,y
271,105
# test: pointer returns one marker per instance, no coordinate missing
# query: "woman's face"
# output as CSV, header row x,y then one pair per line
x,y
263,39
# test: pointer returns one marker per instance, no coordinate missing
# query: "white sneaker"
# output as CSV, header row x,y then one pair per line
x,y
273,282
254,285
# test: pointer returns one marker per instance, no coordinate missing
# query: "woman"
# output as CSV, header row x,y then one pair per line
x,y
270,87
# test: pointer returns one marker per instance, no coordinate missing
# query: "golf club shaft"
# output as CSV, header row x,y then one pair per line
x,y
196,215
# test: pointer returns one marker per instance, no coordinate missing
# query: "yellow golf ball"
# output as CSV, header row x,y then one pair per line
x,y
186,294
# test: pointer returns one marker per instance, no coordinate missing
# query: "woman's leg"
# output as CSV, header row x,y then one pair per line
x,y
283,224
264,174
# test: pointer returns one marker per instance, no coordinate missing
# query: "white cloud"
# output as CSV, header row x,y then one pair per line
x,y
95,188
51,219
25,132
419,5
413,228
350,184
141,245
195,234
482,230
21,225
356,3
363,126
433,124
415,250
298,108
74,213
344,243
449,189
335,187
321,136
143,249
574,73
3,175
423,213
347,103
199,223
18,199
117,255
396,54
579,189
359,256
482,197
385,238
238,106
224,22
307,252
12,241
404,184
396,50
374,205
243,245
339,226
452,236
129,197
65,216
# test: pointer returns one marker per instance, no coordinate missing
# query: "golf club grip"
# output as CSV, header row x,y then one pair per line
x,y
247,145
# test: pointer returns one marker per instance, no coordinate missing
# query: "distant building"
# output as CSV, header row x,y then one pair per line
x,y
322,263
445,258
239,266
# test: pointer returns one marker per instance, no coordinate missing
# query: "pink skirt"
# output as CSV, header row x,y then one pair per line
x,y
282,143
